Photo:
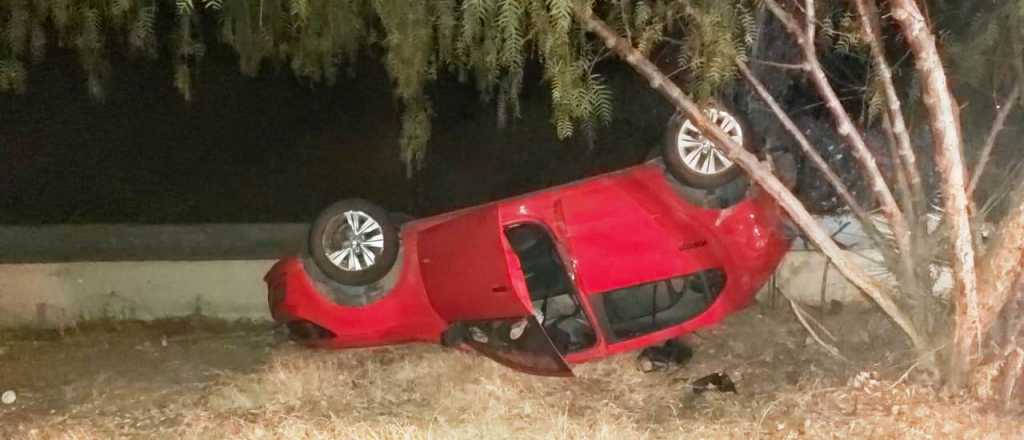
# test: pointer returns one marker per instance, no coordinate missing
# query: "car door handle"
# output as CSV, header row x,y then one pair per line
x,y
499,289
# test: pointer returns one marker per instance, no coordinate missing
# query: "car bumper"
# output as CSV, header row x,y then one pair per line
x,y
403,314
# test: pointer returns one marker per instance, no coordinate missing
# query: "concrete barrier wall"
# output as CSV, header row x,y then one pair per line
x,y
59,294
113,242
56,275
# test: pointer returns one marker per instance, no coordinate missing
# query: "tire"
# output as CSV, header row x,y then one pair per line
x,y
689,172
359,258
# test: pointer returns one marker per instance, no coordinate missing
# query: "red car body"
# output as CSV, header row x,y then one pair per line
x,y
613,231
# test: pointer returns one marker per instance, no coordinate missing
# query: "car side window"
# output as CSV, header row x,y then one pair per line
x,y
646,308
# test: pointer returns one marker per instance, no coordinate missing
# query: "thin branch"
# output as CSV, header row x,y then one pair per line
x,y
809,12
902,182
757,171
845,127
869,23
828,347
801,66
805,145
905,374
626,18
993,135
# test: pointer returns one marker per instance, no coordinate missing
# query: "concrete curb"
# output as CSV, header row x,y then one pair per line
x,y
61,294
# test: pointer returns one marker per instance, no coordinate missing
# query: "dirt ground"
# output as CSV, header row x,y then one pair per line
x,y
202,379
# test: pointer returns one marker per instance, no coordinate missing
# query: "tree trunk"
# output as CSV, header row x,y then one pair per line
x,y
1002,264
758,172
944,121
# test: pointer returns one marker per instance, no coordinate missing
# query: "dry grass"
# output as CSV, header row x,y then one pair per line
x,y
787,390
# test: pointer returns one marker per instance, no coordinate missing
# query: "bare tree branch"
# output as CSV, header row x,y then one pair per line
x,y
993,135
902,182
805,145
811,25
801,66
869,23
757,171
831,349
848,131
944,121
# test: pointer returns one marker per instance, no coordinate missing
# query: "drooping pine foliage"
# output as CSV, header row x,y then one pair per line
x,y
488,42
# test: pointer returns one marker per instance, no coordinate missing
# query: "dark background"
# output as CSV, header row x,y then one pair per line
x,y
270,149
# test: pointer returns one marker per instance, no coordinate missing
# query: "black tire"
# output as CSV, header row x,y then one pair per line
x,y
688,175
331,232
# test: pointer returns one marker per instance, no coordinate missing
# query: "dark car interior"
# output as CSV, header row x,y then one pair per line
x,y
646,308
551,290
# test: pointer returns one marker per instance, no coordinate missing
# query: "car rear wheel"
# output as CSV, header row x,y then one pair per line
x,y
694,159
354,242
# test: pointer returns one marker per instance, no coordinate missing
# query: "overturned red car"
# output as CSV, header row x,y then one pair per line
x,y
569,274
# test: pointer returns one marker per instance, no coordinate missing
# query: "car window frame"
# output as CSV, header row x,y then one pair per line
x,y
612,339
565,254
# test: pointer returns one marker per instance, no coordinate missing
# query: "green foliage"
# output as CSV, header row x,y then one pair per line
x,y
717,34
485,41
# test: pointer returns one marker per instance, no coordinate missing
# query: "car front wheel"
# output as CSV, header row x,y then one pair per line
x,y
354,242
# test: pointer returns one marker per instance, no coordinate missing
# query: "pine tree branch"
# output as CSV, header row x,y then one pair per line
x,y
758,172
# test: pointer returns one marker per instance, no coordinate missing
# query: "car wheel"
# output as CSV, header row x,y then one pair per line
x,y
693,159
354,242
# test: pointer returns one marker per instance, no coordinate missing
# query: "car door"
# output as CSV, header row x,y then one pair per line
x,y
465,271
520,344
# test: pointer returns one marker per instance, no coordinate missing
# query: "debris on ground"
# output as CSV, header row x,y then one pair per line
x,y
720,382
672,353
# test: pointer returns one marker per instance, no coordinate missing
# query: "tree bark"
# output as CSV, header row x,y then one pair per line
x,y
872,31
847,129
944,121
1002,265
758,172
